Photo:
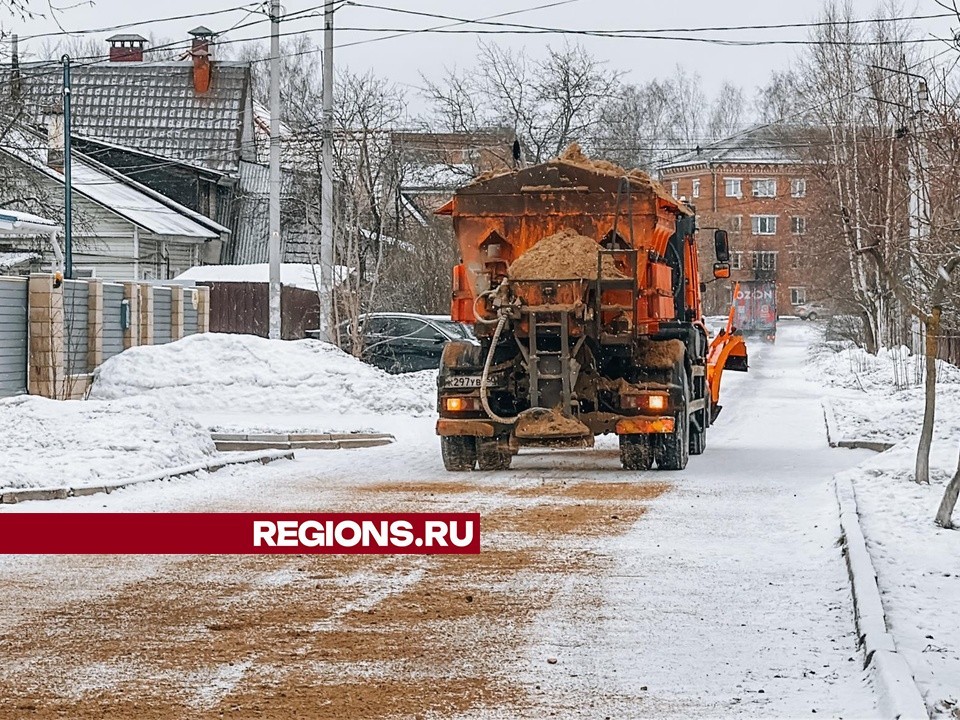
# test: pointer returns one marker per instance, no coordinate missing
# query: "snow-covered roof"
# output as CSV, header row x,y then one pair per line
x,y
10,260
143,207
758,145
14,222
437,176
299,275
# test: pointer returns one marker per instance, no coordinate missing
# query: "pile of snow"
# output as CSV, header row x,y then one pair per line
x,y
299,275
49,443
211,373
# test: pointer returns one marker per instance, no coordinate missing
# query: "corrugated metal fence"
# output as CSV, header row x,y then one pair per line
x,y
13,336
162,315
112,327
75,321
93,320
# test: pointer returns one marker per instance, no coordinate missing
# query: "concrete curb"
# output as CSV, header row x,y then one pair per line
x,y
230,442
263,457
899,697
836,441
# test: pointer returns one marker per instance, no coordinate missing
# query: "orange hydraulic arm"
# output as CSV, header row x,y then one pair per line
x,y
728,351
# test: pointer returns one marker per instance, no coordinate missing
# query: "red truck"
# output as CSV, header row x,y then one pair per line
x,y
755,309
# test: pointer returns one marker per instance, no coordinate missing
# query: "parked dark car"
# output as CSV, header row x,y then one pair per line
x,y
404,342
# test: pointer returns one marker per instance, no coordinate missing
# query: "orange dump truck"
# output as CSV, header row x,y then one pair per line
x,y
583,285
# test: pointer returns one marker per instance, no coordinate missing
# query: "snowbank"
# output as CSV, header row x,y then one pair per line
x,y
243,374
876,410
51,444
917,562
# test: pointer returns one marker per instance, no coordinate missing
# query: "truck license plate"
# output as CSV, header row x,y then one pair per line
x,y
463,381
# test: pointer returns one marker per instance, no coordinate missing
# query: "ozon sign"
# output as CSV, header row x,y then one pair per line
x,y
764,293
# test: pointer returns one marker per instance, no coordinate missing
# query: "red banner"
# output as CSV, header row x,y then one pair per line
x,y
238,533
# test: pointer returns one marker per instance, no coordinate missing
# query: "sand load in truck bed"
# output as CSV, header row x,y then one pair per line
x,y
563,256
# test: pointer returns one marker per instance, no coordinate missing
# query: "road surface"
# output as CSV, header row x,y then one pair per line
x,y
716,592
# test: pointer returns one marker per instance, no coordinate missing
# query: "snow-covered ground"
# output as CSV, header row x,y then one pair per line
x,y
47,443
246,383
918,563
152,408
725,596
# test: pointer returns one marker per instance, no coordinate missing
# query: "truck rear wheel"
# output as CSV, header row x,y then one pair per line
x,y
459,453
492,454
674,450
698,438
636,452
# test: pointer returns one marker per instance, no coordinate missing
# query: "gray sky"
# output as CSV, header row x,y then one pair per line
x,y
402,59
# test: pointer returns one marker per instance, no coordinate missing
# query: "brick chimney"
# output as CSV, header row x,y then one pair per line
x,y
126,48
200,52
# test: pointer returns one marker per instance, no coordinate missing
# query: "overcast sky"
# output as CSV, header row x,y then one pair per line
x,y
403,59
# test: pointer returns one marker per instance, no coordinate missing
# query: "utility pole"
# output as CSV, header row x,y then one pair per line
x,y
326,179
274,244
67,173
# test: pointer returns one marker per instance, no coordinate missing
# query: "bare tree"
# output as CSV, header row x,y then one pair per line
x,y
726,112
944,516
549,102
860,103
777,100
636,125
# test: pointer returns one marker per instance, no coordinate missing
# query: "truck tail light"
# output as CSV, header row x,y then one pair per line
x,y
460,404
647,401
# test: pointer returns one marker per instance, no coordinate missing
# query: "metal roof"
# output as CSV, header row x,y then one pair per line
x,y
115,192
130,37
148,105
758,145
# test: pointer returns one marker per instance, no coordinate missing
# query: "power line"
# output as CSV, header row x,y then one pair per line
x,y
126,26
650,31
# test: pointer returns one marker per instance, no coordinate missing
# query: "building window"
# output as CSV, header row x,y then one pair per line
x,y
763,224
798,295
798,187
733,187
736,260
798,225
736,223
675,188
695,192
764,260
764,187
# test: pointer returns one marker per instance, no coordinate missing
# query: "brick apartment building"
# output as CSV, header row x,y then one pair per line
x,y
755,186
